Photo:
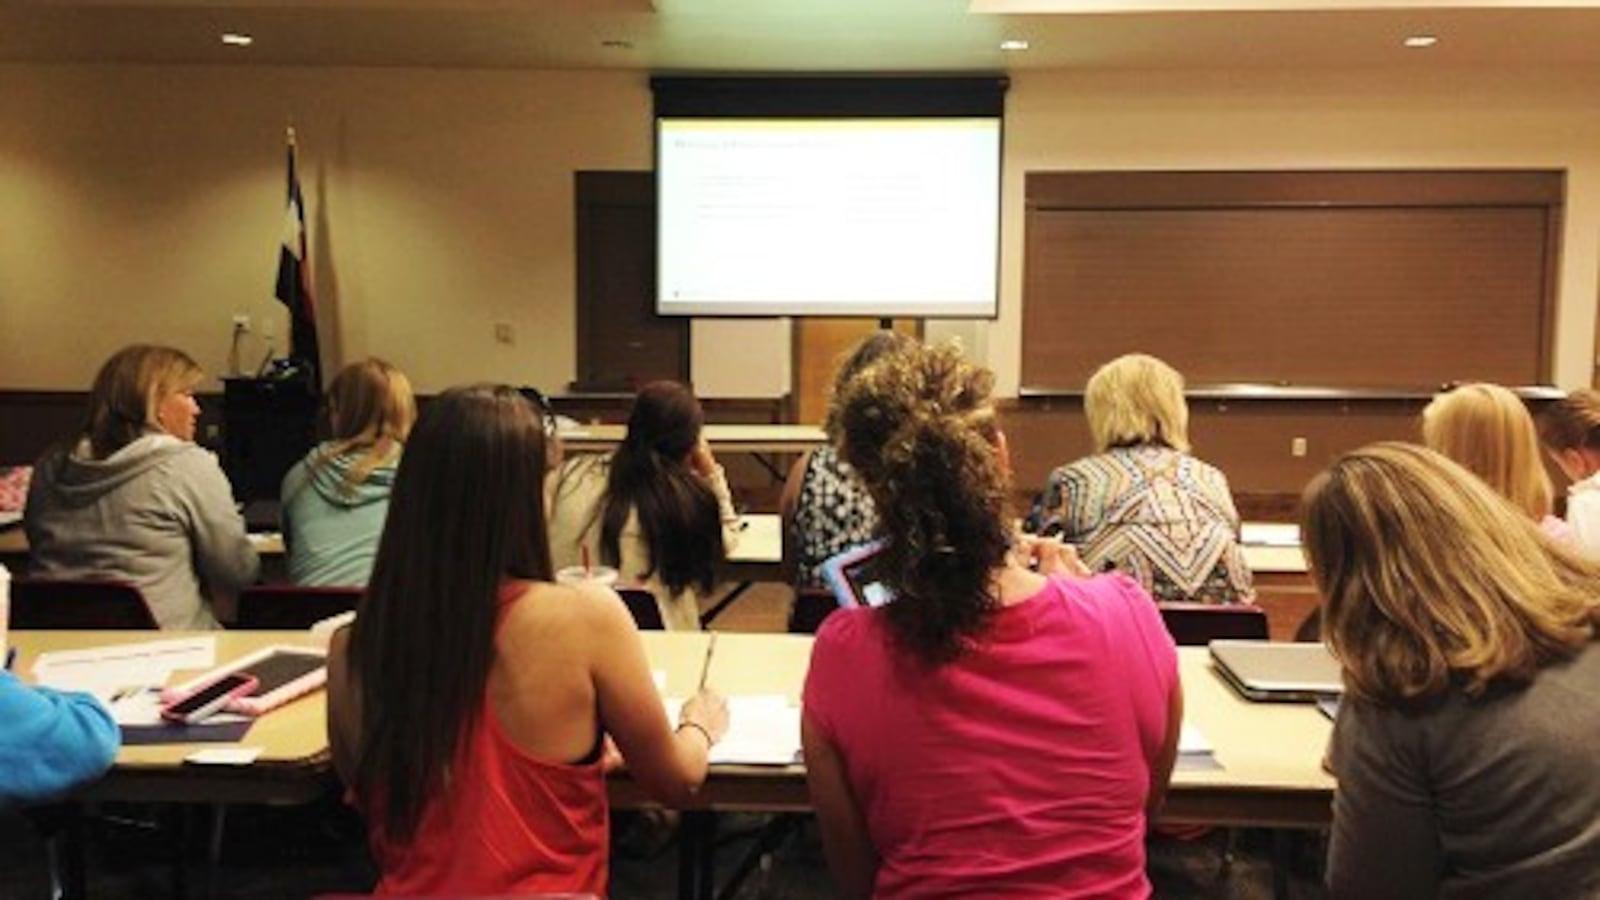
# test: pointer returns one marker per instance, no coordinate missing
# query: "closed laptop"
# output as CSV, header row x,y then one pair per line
x,y
1265,670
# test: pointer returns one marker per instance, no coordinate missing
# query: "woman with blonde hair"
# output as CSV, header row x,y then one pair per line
x,y
1488,431
335,500
1143,504
1570,430
1464,747
135,498
1003,725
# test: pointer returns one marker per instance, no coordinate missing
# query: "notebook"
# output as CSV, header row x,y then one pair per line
x,y
1264,670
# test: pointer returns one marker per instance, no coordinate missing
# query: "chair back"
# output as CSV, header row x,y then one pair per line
x,y
1198,624
78,605
642,604
812,606
292,606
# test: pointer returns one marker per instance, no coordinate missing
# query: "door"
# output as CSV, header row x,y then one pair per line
x,y
622,343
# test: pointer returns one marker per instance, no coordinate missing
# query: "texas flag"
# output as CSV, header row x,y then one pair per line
x,y
294,278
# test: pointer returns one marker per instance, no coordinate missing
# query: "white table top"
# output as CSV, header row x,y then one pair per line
x,y
761,541
722,438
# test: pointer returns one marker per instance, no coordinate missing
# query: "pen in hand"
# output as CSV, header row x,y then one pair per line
x,y
705,667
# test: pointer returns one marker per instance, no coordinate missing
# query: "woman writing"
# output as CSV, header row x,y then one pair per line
x,y
468,702
993,730
1464,746
1143,504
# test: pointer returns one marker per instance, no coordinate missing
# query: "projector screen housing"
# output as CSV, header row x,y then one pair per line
x,y
828,199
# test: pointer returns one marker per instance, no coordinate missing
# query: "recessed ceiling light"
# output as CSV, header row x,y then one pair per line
x,y
1419,41
234,39
1013,45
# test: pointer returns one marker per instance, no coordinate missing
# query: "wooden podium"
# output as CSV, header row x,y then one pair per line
x,y
268,425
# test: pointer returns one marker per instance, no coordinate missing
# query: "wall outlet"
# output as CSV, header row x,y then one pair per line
x,y
1297,447
241,322
504,333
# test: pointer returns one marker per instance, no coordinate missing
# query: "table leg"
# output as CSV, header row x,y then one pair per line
x,y
697,847
726,601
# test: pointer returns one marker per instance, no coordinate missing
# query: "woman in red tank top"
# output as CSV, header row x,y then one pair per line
x,y
468,703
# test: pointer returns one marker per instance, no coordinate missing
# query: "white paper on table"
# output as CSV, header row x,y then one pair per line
x,y
763,730
223,756
141,708
1191,741
1270,534
108,670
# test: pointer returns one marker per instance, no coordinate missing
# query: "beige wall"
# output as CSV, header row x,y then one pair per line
x,y
144,203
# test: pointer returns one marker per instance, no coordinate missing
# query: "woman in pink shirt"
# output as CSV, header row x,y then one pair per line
x,y
995,729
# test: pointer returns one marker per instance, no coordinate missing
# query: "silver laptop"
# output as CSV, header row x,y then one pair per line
x,y
1265,670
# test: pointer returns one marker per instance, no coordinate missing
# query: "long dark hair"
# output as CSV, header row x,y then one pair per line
x,y
677,510
920,430
467,511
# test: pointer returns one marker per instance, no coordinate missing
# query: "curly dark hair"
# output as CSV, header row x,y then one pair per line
x,y
919,428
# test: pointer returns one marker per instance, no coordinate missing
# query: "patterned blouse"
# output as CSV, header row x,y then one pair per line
x,y
833,513
1163,517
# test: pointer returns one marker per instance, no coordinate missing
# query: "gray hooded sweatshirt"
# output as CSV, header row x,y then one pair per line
x,y
158,513
331,526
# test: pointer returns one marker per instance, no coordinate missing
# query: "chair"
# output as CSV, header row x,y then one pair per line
x,y
812,606
1198,624
292,606
642,604
1310,629
78,605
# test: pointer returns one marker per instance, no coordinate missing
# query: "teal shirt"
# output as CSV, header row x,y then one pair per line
x,y
332,527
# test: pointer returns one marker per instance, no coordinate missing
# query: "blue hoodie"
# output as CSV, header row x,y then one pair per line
x,y
50,741
332,527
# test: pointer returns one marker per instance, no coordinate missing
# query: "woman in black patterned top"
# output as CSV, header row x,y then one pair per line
x,y
1143,504
826,509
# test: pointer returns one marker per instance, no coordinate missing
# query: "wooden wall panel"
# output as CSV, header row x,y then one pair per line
x,y
1301,279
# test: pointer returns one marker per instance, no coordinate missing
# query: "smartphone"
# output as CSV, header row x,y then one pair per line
x,y
207,699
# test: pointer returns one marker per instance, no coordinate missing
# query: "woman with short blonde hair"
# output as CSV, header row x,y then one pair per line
x,y
134,498
1463,749
335,500
1137,399
1143,504
1488,431
135,392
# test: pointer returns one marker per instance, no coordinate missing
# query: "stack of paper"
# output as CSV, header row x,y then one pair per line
x,y
763,730
1195,750
1270,534
116,668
